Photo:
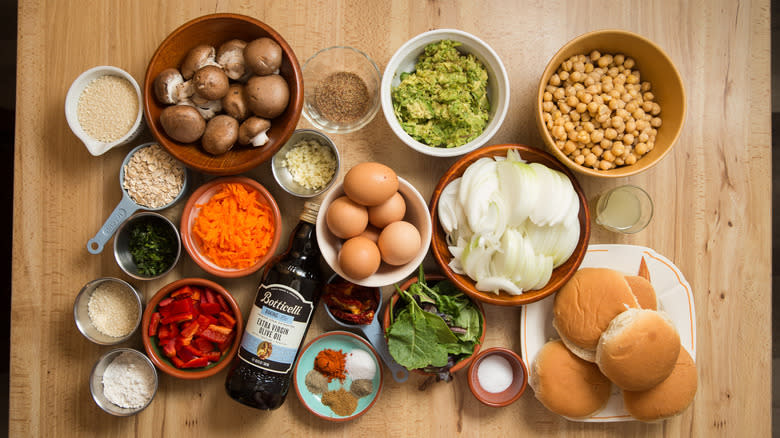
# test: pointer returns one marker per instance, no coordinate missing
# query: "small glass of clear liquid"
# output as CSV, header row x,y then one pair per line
x,y
626,209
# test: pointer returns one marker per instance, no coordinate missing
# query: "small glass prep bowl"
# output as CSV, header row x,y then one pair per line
x,y
334,60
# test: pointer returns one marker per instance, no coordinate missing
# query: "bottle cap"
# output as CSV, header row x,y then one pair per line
x,y
310,210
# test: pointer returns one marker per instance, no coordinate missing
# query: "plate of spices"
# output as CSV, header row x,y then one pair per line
x,y
338,376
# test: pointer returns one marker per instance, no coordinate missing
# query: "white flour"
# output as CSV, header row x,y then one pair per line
x,y
128,381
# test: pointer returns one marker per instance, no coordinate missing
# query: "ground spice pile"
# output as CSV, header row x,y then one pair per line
x,y
331,364
341,401
342,97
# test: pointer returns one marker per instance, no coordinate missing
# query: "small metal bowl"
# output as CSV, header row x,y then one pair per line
x,y
283,176
122,244
96,383
81,313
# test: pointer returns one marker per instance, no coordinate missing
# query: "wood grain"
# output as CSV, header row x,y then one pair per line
x,y
712,198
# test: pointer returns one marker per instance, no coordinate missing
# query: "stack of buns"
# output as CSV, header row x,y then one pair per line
x,y
613,333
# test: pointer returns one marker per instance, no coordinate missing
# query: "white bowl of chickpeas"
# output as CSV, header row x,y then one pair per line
x,y
610,104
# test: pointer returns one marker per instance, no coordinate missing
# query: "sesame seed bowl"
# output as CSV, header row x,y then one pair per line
x,y
288,178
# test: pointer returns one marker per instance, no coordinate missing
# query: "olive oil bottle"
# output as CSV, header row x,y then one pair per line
x,y
279,319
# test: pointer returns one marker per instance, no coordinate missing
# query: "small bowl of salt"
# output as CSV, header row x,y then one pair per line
x,y
497,377
123,382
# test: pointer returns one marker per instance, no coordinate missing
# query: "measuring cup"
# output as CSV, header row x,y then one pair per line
x,y
373,332
126,207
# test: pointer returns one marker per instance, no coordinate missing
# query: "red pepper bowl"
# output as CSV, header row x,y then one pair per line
x,y
223,299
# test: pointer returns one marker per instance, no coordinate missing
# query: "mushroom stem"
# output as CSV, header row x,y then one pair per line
x,y
259,139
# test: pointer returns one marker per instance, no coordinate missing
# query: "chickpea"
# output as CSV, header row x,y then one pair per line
x,y
607,87
556,114
629,63
631,107
559,133
597,150
618,121
559,121
549,124
656,109
588,81
655,122
631,159
596,136
581,107
585,117
586,97
578,87
650,146
576,76
648,95
572,101
653,132
579,66
647,106
638,114
619,58
547,96
590,159
610,134
579,159
641,149
583,137
597,97
592,107
559,144
569,147
564,75
564,107
618,150
643,137
574,116
588,68
555,80
608,156
550,89
606,144
589,127
626,97
567,65
613,71
632,79
605,60
613,104
628,139
605,165
595,55
645,86
642,125
619,161
568,126
621,69
547,106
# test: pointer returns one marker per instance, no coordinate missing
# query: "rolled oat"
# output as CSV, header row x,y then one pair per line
x,y
153,178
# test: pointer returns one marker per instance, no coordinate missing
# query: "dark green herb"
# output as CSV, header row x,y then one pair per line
x,y
153,247
433,327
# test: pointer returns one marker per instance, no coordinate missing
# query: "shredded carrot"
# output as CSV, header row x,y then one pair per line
x,y
234,229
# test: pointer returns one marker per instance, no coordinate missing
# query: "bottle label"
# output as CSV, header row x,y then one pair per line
x,y
275,328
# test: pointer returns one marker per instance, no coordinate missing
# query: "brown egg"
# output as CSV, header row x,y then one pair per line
x,y
371,233
399,242
384,214
345,218
370,183
359,257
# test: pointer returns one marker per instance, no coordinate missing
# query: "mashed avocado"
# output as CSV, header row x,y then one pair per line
x,y
444,102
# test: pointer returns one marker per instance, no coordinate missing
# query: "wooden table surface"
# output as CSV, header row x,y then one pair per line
x,y
712,199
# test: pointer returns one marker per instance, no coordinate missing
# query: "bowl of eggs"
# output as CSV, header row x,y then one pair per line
x,y
373,229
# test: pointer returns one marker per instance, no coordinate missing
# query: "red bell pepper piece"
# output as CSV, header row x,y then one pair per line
x,y
183,305
204,345
225,319
213,356
222,302
169,349
189,329
179,317
154,324
196,293
209,296
216,333
178,363
184,291
164,302
210,308
226,344
198,362
164,333
187,353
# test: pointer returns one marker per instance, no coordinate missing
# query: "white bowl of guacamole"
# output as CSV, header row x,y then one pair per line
x,y
441,103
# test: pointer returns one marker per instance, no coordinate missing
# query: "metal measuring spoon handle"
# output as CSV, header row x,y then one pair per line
x,y
373,332
122,211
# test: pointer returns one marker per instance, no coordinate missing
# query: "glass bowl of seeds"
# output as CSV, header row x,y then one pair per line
x,y
108,311
341,89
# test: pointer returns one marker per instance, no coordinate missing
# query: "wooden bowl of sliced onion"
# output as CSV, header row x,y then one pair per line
x,y
504,219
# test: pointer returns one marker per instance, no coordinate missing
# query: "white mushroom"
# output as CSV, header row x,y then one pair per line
x,y
254,131
197,58
166,84
230,56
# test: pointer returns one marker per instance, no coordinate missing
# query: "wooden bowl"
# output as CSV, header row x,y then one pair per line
x,y
654,66
154,351
560,275
216,29
463,363
192,209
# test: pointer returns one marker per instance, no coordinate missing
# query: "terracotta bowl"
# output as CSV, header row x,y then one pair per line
x,y
216,29
653,64
560,275
192,209
510,394
155,352
434,278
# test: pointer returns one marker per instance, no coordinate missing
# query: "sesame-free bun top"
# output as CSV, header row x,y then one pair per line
x,y
586,304
639,349
670,397
643,291
566,384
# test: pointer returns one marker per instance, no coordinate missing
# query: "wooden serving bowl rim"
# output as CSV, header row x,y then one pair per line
x,y
153,351
463,363
241,158
560,275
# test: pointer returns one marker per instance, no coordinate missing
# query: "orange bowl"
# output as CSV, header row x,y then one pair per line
x,y
192,209
214,30
654,65
560,275
464,362
155,352
516,387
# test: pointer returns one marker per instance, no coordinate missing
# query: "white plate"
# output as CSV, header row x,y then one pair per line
x,y
673,292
